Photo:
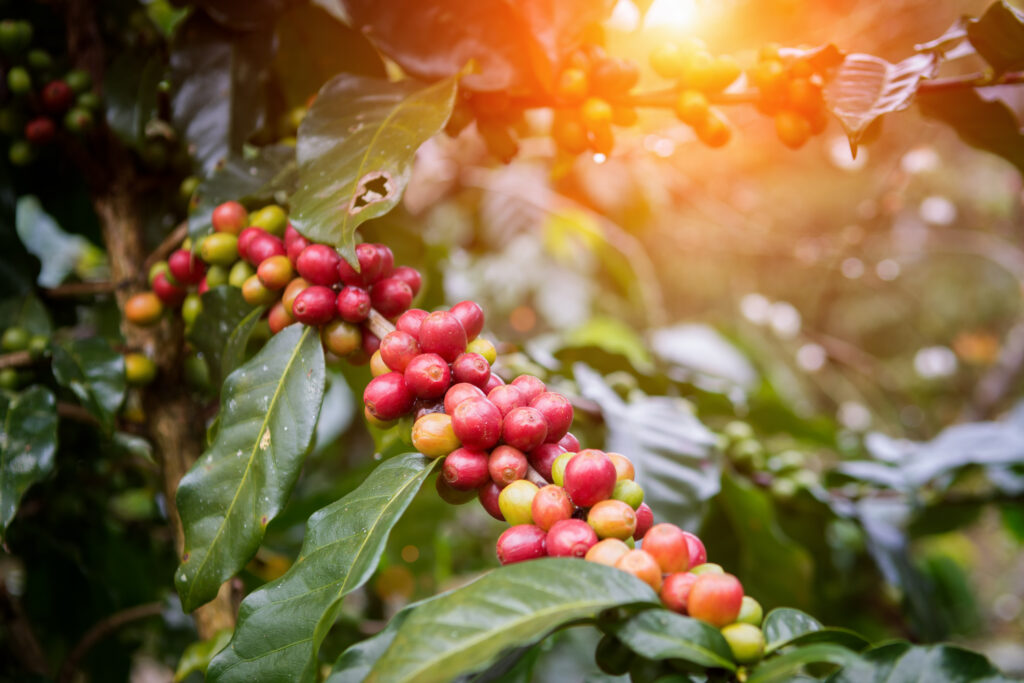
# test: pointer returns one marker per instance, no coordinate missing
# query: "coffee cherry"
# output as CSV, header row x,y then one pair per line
x,y
15,36
471,368
506,465
570,538
521,542
745,641
558,468
716,599
387,397
191,307
607,552
676,590
543,457
387,259
294,247
38,344
156,269
20,153
263,246
466,469
667,544
397,348
79,80
453,496
477,423
220,248
341,338
573,84
695,548
318,264
629,492
354,305
668,60
471,316
589,477
275,272
707,568
714,130
291,291
139,370
612,519
492,382
751,612
391,297
691,107
410,321
484,348
516,502
40,131
529,386
256,294
433,436
170,294
143,309
550,505
557,412
186,267
216,276
9,379
56,97
644,521
239,273
570,443
245,238
524,428
506,397
14,339
271,218
377,365
459,393
279,318
19,82
641,565
229,217
488,495
443,334
315,305
371,342
792,128
428,375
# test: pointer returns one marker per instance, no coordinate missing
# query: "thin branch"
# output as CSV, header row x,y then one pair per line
x,y
74,289
71,411
101,630
170,243
379,325
25,645
16,359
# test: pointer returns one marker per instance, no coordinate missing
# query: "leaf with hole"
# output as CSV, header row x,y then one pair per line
x,y
28,444
268,412
94,372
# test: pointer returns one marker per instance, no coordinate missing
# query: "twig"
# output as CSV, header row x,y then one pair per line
x,y
169,244
71,411
101,630
84,289
16,359
25,646
379,325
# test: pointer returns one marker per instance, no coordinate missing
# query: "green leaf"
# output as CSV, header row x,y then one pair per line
x,y
987,124
785,667
661,634
269,408
130,95
27,312
281,625
905,663
866,87
196,657
998,36
267,177
28,443
784,624
355,151
357,661
94,372
516,605
222,329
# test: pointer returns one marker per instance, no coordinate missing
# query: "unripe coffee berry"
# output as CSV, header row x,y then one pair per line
x,y
516,502
263,246
256,294
570,538
377,365
443,334
612,519
229,217
644,521
488,495
191,307
629,492
558,468
506,397
428,375
484,348
143,309
716,599
557,412
318,264
216,275
341,338
275,272
409,276
525,429
745,641
387,397
278,318
315,305
589,477
291,291
453,496
459,393
186,267
239,273
695,547
354,304
466,469
271,218
471,316
410,321
707,568
550,505
507,465
667,544
139,370
477,423
751,612
220,248
543,457
433,436
676,590
641,565
170,294
623,466
607,552
471,368
529,386
521,542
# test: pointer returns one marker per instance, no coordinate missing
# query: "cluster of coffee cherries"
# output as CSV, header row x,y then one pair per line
x,y
35,101
790,88
13,340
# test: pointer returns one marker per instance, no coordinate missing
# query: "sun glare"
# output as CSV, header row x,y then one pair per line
x,y
674,15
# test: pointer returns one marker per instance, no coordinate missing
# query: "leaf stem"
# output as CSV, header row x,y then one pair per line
x,y
16,359
101,630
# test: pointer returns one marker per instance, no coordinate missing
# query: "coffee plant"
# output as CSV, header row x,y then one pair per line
x,y
224,222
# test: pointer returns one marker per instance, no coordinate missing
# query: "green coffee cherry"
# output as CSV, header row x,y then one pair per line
x,y
745,641
516,501
8,379
19,81
139,370
751,612
78,120
783,488
787,460
220,248
216,276
20,153
737,431
78,80
188,187
271,218
239,273
191,307
708,568
88,100
157,268
558,468
15,36
39,61
15,339
629,492
38,345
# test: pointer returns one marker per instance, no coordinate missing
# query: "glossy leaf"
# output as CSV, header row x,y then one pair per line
x,y
998,36
785,623
784,668
355,151
866,87
356,662
196,657
130,95
984,123
661,634
906,663
243,15
222,329
94,372
28,444
282,624
516,605
269,408
27,312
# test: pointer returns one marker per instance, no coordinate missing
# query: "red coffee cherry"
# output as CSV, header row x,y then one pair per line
x,y
623,467
203,287
170,294
370,265
521,542
354,304
477,423
642,566
387,398
676,590
387,259
589,477
186,267
694,546
371,342
292,291
410,321
230,217
390,297
451,495
40,131
525,429
264,246
471,316
409,276
396,348
667,544
543,457
245,238
428,376
459,393
644,521
570,538
570,443
506,465
278,318
493,382
489,494
275,272
291,234
550,505
466,469
318,263
557,411
471,368
294,247
612,519
715,598
506,397
315,305
529,386
443,334
56,97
